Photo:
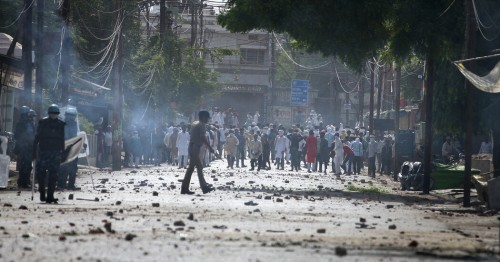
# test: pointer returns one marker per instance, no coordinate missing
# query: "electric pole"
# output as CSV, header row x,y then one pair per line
x,y
193,24
202,33
361,102
397,98
65,53
347,108
27,52
118,96
429,86
469,51
372,93
40,5
269,115
380,89
148,26
163,13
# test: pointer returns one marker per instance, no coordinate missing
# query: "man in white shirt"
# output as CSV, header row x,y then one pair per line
x,y
182,147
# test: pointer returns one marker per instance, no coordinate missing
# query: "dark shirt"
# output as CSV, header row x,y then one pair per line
x,y
50,135
25,133
198,133
386,152
294,141
266,146
323,148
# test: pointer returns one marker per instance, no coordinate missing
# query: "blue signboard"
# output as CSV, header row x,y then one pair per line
x,y
299,94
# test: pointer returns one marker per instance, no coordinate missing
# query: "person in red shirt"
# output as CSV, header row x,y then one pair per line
x,y
348,157
311,148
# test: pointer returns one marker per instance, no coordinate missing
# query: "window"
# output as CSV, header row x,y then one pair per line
x,y
252,56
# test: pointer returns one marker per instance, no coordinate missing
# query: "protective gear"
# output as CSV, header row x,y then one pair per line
x,y
203,113
70,115
67,174
49,141
24,136
24,111
53,109
32,113
71,111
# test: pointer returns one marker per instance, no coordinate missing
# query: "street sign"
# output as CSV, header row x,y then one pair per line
x,y
300,92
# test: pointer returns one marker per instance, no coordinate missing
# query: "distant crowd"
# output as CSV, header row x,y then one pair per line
x,y
314,148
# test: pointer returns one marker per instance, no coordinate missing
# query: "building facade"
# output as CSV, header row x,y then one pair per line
x,y
244,75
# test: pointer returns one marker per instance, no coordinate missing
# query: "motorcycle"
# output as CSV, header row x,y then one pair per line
x,y
411,176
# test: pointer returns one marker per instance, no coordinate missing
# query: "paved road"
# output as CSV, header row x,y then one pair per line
x,y
265,216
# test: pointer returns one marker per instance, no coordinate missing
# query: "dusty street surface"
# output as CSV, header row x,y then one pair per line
x,y
139,215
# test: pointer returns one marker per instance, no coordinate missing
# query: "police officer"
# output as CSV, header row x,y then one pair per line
x,y
49,142
24,136
197,139
67,176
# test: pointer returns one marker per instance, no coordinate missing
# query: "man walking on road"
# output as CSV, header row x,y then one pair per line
x,y
197,140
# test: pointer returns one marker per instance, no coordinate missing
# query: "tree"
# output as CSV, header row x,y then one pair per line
x,y
356,30
171,74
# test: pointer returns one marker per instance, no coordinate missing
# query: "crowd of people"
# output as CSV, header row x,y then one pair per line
x,y
218,134
312,148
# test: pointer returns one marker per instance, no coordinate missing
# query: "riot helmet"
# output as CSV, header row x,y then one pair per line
x,y
53,109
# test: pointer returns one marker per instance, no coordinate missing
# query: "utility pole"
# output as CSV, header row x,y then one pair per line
x,y
40,5
347,108
118,96
380,89
163,14
372,93
469,51
332,93
397,98
65,53
202,33
361,102
193,24
429,82
148,26
269,116
27,52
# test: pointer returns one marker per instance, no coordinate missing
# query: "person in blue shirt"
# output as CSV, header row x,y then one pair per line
x,y
357,148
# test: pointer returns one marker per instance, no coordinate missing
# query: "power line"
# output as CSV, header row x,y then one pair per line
x,y
293,61
446,10
19,16
63,31
355,89
480,24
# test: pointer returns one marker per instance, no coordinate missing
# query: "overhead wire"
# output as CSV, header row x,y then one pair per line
x,y
293,61
90,31
355,89
20,15
63,31
448,8
480,24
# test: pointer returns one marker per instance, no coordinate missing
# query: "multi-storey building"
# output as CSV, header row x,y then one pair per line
x,y
244,75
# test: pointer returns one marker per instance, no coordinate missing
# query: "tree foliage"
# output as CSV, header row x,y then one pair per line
x,y
172,74
356,31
